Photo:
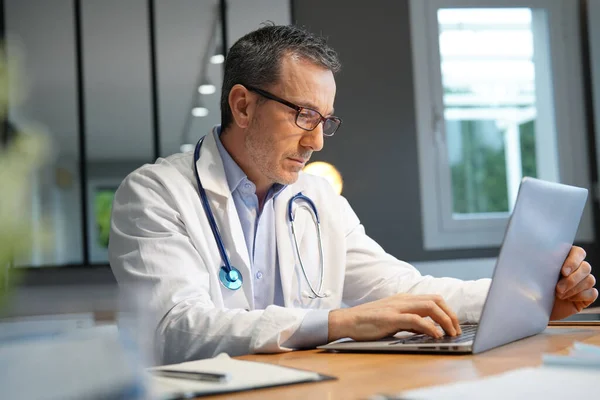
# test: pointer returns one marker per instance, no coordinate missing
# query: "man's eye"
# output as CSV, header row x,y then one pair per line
x,y
306,115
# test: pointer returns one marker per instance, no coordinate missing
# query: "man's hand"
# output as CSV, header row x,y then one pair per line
x,y
575,290
386,317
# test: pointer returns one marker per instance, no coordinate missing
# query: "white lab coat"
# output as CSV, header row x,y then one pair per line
x,y
160,237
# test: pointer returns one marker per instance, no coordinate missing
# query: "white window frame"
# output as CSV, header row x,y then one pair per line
x,y
441,230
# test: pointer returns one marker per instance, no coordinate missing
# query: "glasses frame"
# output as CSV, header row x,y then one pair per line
x,y
298,110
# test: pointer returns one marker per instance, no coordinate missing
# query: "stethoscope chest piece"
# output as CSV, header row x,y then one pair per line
x,y
232,280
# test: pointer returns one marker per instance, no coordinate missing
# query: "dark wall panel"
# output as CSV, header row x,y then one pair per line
x,y
376,149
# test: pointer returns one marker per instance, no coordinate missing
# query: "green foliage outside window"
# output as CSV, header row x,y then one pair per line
x,y
102,209
528,160
479,180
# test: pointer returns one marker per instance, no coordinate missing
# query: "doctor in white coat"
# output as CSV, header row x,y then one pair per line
x,y
286,292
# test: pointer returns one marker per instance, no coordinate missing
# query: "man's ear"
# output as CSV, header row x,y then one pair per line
x,y
241,105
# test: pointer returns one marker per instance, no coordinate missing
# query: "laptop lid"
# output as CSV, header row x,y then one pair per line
x,y
538,238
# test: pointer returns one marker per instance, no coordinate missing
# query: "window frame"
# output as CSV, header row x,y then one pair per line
x,y
566,98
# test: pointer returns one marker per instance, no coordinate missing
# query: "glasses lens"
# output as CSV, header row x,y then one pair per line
x,y
330,126
308,119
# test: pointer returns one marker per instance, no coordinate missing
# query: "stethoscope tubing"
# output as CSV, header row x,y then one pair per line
x,y
229,276
315,215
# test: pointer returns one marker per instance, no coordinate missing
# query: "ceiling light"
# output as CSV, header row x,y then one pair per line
x,y
200,111
217,59
207,88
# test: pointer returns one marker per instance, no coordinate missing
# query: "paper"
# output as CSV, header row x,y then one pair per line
x,y
244,375
581,356
557,383
561,377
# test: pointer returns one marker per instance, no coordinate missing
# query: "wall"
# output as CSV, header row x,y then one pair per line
x,y
376,148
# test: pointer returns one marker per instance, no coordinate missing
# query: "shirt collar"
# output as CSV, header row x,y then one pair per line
x,y
234,174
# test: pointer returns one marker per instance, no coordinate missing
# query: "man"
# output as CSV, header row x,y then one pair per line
x,y
277,104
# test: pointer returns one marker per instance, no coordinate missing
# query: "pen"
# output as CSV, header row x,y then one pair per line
x,y
192,375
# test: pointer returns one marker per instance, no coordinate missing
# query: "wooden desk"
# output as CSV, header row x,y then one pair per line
x,y
362,375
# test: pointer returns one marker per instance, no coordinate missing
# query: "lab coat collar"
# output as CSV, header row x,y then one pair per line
x,y
210,168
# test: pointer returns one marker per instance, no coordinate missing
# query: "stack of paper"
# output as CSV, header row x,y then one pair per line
x,y
561,377
581,356
244,375
522,384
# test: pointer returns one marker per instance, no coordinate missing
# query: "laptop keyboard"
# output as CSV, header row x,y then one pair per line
x,y
468,333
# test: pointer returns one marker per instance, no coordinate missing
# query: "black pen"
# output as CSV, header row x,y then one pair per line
x,y
192,375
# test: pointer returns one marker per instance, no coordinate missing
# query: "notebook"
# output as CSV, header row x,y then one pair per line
x,y
244,375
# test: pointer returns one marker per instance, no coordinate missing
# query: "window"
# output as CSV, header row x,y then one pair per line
x,y
500,99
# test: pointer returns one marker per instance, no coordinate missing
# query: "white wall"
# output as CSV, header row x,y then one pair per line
x,y
246,16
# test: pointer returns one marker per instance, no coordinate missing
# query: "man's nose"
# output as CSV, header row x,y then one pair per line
x,y
313,139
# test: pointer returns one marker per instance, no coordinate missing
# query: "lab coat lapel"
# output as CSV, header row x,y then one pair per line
x,y
285,242
214,181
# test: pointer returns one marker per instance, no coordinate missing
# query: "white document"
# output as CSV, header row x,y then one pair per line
x,y
547,383
581,355
244,375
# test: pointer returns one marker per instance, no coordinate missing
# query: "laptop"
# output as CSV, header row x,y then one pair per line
x,y
537,240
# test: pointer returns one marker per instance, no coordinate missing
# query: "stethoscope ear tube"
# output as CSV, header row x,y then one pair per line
x,y
301,197
316,294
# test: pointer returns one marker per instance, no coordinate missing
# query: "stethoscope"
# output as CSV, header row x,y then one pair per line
x,y
231,277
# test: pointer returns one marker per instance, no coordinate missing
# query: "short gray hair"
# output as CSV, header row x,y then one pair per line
x,y
255,59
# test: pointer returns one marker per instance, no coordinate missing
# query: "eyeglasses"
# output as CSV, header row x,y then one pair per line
x,y
306,118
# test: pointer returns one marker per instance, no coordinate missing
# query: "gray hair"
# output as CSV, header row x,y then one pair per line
x,y
255,59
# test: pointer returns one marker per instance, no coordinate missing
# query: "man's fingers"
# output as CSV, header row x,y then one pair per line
x,y
439,300
587,283
444,306
568,283
587,296
429,308
573,261
415,323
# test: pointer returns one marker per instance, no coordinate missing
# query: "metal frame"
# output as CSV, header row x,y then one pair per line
x,y
80,76
154,78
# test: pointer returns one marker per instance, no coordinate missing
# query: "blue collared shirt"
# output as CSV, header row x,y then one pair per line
x,y
261,241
